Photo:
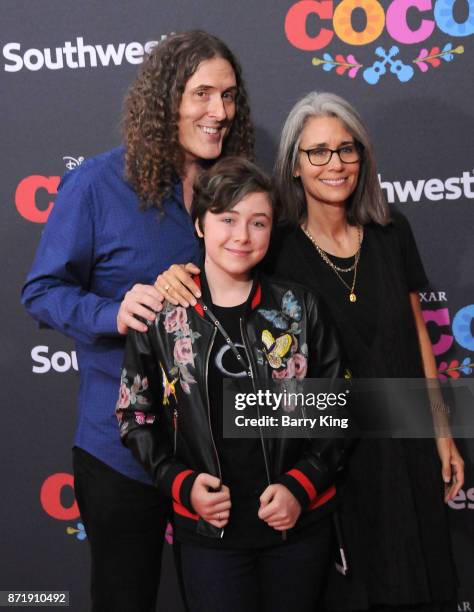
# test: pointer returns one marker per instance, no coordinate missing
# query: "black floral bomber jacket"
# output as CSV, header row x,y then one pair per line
x,y
163,408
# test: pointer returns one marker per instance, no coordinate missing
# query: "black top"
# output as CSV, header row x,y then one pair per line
x,y
362,312
381,319
393,516
242,461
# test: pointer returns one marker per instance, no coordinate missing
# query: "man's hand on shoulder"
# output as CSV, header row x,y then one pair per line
x,y
142,300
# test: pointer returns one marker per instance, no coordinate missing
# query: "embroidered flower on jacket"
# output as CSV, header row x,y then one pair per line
x,y
288,372
301,365
131,394
141,418
176,322
183,351
124,396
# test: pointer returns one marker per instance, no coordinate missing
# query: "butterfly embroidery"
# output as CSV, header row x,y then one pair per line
x,y
168,387
277,348
290,309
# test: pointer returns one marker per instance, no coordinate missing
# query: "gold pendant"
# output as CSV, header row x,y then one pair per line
x,y
352,297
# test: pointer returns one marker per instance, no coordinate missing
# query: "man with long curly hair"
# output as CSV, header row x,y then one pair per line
x,y
119,220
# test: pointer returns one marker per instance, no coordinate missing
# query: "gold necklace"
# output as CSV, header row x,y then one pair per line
x,y
336,269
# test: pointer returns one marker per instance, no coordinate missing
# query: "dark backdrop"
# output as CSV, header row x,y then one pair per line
x,y
59,107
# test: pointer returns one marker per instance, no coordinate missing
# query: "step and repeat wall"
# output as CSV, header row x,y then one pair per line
x,y
407,65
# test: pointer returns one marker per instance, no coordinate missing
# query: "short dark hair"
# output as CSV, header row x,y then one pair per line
x,y
225,184
154,158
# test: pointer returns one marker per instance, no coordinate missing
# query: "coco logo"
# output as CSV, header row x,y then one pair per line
x,y
59,361
55,492
34,189
445,330
396,20
52,493
58,501
27,197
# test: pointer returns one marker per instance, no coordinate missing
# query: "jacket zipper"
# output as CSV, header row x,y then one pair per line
x,y
247,352
208,354
175,418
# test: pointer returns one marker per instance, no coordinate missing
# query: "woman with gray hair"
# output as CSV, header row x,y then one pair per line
x,y
348,247
342,241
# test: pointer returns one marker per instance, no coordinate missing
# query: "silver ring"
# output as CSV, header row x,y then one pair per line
x,y
166,287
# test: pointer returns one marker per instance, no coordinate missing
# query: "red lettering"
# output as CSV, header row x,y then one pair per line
x,y
25,196
50,497
295,24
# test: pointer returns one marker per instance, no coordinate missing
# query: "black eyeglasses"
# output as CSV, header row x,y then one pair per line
x,y
320,156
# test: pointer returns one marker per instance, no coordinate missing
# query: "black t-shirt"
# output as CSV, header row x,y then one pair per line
x,y
242,461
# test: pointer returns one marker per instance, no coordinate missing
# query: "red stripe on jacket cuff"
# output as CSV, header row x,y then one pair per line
x,y
179,509
176,486
323,498
305,482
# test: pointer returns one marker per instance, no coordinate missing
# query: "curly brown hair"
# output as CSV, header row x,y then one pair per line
x,y
154,158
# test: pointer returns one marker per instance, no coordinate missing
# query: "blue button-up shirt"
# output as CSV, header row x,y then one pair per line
x,y
96,245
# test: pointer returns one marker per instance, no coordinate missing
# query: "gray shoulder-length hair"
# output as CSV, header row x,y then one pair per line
x,y
367,203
